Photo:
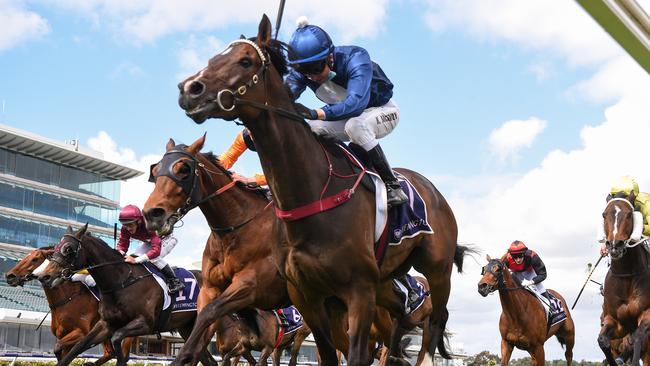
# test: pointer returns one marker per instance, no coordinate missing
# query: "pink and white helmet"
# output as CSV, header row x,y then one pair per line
x,y
129,214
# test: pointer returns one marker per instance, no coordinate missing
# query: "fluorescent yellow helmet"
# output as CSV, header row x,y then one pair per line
x,y
625,184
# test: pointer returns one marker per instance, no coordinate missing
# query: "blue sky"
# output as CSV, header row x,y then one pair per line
x,y
509,107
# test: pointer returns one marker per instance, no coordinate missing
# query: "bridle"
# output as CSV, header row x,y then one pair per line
x,y
629,242
69,269
255,79
489,268
191,187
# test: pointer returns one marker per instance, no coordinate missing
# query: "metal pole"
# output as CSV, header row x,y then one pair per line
x,y
278,20
586,281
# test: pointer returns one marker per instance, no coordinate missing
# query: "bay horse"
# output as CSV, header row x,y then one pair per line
x,y
238,262
329,257
626,292
74,309
523,322
131,298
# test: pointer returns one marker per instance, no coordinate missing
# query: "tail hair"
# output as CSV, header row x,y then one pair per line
x,y
461,252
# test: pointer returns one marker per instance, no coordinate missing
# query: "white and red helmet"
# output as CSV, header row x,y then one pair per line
x,y
130,214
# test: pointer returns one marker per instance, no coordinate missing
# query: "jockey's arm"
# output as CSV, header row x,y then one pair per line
x,y
229,157
359,80
539,267
124,241
295,83
154,252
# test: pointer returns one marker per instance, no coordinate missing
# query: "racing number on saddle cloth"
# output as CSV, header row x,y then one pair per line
x,y
190,295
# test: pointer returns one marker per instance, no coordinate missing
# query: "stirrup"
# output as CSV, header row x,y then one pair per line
x,y
395,195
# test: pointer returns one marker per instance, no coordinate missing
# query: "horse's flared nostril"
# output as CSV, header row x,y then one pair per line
x,y
196,89
11,278
156,213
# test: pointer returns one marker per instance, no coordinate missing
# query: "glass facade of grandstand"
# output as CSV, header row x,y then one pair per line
x,y
78,205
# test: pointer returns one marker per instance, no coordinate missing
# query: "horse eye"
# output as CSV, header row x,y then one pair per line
x,y
603,215
246,62
184,169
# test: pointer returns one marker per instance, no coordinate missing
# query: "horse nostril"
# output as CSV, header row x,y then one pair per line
x,y
156,213
196,88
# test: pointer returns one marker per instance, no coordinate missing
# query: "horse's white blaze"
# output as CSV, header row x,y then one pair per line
x,y
616,212
186,86
40,269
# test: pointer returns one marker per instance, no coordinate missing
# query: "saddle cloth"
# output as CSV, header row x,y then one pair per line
x,y
409,305
554,311
183,300
397,223
293,318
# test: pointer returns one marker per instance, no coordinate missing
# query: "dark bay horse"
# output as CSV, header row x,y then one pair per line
x,y
238,263
328,258
626,293
523,322
131,298
74,309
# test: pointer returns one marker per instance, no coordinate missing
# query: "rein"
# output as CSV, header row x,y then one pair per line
x,y
66,300
323,203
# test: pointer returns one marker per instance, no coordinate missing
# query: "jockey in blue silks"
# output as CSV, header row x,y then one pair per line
x,y
356,91
357,94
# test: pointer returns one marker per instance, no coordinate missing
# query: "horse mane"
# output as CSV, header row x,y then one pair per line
x,y
277,51
99,242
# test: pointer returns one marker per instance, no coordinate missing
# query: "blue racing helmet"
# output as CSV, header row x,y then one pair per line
x,y
309,43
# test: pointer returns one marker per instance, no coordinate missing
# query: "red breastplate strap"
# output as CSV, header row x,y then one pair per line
x,y
327,203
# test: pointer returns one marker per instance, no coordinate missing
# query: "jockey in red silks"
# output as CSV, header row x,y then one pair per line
x,y
526,267
153,249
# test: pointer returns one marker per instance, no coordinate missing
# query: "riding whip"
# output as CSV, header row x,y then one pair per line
x,y
278,20
115,235
586,281
41,323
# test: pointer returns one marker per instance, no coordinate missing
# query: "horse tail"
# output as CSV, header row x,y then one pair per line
x,y
561,340
461,252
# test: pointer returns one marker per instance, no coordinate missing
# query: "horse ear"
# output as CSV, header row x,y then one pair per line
x,y
264,32
241,36
69,230
487,256
197,145
631,197
609,197
170,144
82,231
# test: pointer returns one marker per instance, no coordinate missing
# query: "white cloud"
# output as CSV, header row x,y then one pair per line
x,y
194,232
507,140
147,20
19,25
126,69
195,53
542,70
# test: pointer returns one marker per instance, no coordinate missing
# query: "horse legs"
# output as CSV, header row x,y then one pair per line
x,y
249,357
264,356
63,345
301,335
315,315
605,339
108,354
361,313
395,350
506,352
236,296
537,356
205,357
426,339
98,334
640,336
136,326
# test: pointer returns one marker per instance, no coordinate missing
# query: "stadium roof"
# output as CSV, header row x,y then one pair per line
x,y
66,154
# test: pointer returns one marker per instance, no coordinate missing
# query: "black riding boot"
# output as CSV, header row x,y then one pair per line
x,y
173,282
396,195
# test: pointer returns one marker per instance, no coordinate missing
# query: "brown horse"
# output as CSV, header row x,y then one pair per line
x,y
523,322
74,309
238,258
131,298
261,336
626,304
328,258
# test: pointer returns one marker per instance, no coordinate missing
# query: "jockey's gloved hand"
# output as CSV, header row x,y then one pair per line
x,y
305,112
526,283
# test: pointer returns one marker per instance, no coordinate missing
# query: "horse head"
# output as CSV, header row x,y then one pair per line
x,y
241,70
24,270
618,223
184,179
492,279
66,259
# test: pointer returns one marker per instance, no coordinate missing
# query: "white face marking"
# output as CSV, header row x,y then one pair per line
x,y
186,86
40,269
617,211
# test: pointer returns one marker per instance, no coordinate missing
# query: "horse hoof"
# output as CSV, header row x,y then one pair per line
x,y
395,361
619,361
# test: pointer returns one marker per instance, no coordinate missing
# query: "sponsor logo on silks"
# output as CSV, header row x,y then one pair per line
x,y
386,117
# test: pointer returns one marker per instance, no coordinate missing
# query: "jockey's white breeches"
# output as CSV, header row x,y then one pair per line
x,y
85,278
168,243
364,129
529,275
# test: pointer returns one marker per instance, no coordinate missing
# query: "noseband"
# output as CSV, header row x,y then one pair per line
x,y
489,268
629,242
